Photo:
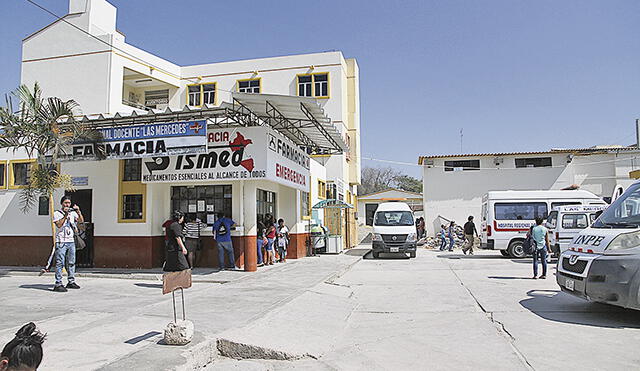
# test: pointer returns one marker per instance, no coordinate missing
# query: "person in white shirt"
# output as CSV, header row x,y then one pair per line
x,y
66,221
282,236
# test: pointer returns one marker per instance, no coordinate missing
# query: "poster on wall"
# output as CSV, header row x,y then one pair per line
x,y
139,141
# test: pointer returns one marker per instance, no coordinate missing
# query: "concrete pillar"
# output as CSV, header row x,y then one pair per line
x,y
250,222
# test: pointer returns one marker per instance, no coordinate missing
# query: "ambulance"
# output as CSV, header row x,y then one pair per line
x,y
565,222
508,215
603,261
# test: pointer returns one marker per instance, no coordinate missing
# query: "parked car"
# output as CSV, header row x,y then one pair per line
x,y
394,229
602,263
565,222
508,215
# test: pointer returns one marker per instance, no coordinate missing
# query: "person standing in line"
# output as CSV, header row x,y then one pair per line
x,y
450,233
260,242
222,229
66,221
443,237
470,232
540,235
24,352
176,251
271,237
165,228
191,231
283,240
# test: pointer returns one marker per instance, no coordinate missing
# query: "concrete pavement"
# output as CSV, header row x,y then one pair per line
x,y
438,311
116,324
442,311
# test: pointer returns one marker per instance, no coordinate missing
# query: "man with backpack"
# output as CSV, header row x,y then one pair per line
x,y
222,229
540,236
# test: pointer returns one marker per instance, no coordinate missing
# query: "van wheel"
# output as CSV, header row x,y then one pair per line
x,y
505,253
516,249
376,255
412,254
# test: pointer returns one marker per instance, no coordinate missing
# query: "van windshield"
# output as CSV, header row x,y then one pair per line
x,y
623,212
387,218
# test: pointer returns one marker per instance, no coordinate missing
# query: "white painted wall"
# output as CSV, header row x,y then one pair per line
x,y
72,65
457,194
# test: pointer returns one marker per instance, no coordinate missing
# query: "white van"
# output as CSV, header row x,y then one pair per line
x,y
508,215
394,229
565,222
602,263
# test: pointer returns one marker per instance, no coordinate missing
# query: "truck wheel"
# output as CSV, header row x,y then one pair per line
x,y
505,253
516,249
412,254
376,255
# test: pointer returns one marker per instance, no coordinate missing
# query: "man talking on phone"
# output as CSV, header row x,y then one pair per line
x,y
66,221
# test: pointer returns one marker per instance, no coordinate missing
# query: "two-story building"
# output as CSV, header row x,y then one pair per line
x,y
247,138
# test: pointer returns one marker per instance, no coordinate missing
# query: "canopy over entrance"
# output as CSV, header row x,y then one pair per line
x,y
300,119
332,204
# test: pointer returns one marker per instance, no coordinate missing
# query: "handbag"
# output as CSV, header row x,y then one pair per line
x,y
78,241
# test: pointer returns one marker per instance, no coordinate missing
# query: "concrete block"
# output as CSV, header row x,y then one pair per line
x,y
179,333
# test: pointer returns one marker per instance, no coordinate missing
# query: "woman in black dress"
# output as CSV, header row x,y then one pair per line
x,y
176,251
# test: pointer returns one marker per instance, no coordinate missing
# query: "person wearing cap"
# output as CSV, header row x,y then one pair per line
x,y
176,251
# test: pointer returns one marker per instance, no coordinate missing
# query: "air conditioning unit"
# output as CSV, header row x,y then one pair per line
x,y
498,161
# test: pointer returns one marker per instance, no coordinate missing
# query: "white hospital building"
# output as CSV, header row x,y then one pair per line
x,y
269,135
453,185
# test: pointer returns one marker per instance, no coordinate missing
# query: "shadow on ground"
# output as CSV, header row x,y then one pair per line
x,y
387,256
149,285
357,252
557,306
38,286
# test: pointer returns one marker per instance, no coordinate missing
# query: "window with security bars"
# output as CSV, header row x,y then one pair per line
x,y
3,172
132,207
265,204
202,200
305,204
21,172
249,86
314,85
43,205
462,165
132,170
533,162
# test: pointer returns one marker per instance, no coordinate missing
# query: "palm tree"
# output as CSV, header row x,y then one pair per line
x,y
44,128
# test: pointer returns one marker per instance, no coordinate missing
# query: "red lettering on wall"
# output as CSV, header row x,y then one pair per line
x,y
290,175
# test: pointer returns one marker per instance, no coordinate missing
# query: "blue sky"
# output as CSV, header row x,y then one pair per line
x,y
514,75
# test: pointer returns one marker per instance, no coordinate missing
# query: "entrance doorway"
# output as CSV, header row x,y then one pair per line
x,y
83,198
265,204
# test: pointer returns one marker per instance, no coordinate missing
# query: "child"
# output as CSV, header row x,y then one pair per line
x,y
443,238
283,240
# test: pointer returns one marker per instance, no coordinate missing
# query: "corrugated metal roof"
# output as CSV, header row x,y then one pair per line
x,y
421,159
